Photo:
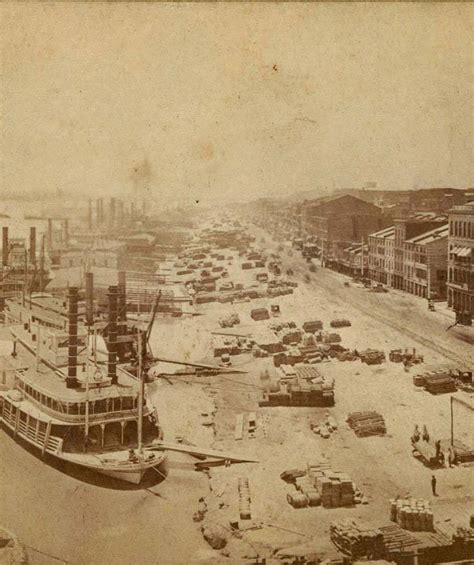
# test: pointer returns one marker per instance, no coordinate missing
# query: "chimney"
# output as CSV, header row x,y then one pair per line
x,y
112,332
71,379
89,299
33,246
122,298
5,247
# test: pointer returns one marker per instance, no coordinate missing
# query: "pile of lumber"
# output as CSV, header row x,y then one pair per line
x,y
357,541
412,514
367,424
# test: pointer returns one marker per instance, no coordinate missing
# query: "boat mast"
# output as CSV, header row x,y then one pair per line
x,y
140,393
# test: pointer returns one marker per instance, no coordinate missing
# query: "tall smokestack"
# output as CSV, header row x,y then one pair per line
x,y
132,211
50,233
89,299
112,212
101,211
33,246
5,246
66,232
122,298
71,379
89,215
112,331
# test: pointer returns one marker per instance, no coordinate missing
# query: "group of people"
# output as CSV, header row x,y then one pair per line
x,y
440,456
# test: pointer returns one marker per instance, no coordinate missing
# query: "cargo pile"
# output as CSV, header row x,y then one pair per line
x,y
435,383
367,424
372,356
356,541
340,323
258,314
313,326
404,356
336,489
230,321
319,485
412,514
325,428
300,392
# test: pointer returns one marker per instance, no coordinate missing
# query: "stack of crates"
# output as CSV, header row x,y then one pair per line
x,y
336,489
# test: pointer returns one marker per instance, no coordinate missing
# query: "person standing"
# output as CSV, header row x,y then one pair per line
x,y
433,485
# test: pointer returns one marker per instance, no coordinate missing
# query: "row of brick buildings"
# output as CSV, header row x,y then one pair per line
x,y
429,253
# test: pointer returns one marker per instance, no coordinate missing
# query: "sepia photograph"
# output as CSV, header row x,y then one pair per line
x,y
236,283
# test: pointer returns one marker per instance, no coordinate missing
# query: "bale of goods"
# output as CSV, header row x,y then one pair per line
x,y
312,326
367,424
246,266
357,541
297,500
412,514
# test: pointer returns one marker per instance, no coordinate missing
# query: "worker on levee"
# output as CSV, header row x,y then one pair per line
x,y
416,435
426,435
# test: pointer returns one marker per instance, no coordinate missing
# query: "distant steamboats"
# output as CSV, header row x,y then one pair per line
x,y
20,272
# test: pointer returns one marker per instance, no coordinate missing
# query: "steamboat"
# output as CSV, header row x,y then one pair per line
x,y
92,415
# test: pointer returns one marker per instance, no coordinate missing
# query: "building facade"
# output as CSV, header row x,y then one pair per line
x,y
425,263
461,262
339,222
380,261
405,229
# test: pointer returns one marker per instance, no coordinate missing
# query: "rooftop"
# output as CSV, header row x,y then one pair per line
x,y
430,236
386,232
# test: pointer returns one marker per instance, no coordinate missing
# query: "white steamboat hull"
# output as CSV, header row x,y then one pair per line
x,y
112,464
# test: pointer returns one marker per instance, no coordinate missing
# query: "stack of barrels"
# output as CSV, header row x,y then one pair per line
x,y
412,514
244,499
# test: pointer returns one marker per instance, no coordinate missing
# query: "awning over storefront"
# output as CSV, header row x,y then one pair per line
x,y
464,252
461,251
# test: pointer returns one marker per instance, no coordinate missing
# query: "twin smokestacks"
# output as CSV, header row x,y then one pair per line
x,y
116,311
6,246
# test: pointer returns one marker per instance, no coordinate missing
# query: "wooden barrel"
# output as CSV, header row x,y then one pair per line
x,y
314,498
297,500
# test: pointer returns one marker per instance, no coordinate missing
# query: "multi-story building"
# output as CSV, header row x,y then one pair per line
x,y
338,222
461,262
380,262
354,260
405,229
425,262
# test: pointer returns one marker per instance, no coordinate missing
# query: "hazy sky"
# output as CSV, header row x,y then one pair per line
x,y
192,100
